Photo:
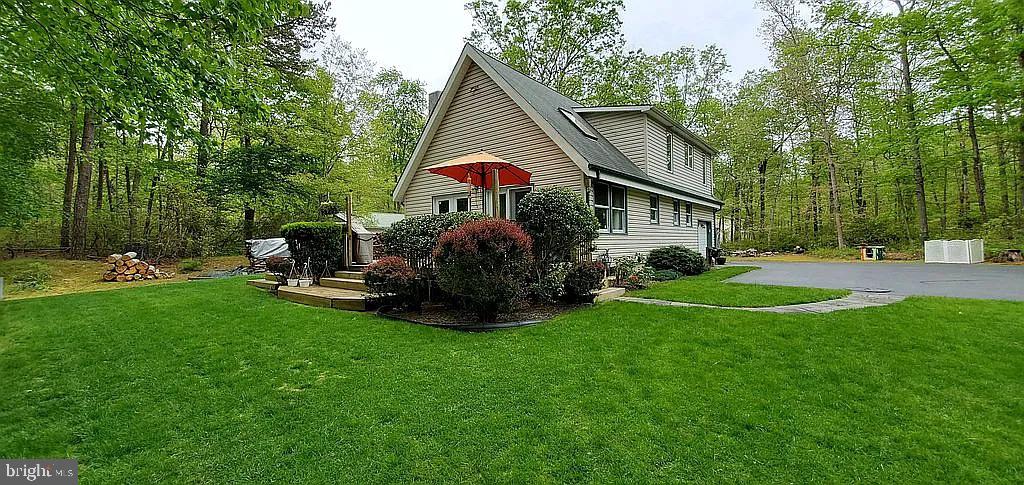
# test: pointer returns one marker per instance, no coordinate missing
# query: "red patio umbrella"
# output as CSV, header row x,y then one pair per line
x,y
478,170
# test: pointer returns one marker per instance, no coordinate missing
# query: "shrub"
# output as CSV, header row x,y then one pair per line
x,y
416,237
190,265
677,258
391,281
632,272
550,285
666,275
280,267
583,279
319,243
559,221
485,263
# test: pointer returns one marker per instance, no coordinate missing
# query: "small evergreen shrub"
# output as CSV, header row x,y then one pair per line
x,y
190,265
677,258
319,243
416,237
583,279
550,285
485,264
632,272
559,221
666,275
391,281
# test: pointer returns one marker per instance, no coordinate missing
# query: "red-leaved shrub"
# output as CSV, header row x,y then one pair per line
x,y
391,281
486,264
582,279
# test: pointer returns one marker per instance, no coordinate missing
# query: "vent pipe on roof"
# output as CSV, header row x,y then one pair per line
x,y
432,100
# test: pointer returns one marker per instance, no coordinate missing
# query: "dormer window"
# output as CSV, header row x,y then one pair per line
x,y
578,122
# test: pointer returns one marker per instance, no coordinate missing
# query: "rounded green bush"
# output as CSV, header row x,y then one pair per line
x,y
416,237
559,221
677,258
318,243
583,279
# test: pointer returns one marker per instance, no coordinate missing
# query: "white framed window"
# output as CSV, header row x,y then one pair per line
x,y
689,156
610,207
675,212
451,203
508,211
689,214
703,169
655,209
668,152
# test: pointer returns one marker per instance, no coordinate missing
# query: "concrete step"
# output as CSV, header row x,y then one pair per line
x,y
352,275
344,283
609,293
324,297
266,284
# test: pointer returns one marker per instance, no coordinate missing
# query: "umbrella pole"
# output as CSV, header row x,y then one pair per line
x,y
495,197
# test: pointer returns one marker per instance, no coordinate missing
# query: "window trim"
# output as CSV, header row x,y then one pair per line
x,y
611,206
509,194
689,214
689,156
676,216
703,169
654,216
453,203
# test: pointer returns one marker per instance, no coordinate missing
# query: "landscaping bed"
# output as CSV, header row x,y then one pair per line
x,y
457,319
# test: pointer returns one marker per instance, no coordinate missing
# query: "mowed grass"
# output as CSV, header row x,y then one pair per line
x,y
711,289
215,382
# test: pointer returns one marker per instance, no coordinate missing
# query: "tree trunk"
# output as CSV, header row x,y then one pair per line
x,y
1020,137
762,180
100,178
79,224
203,153
964,188
250,222
912,126
1004,188
833,187
979,170
69,179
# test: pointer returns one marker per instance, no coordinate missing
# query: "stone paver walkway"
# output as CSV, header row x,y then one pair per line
x,y
853,301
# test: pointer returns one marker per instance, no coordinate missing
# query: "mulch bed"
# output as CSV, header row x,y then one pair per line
x,y
458,319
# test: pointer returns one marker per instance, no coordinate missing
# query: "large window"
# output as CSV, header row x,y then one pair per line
x,y
675,212
668,152
655,209
508,211
451,203
610,206
689,214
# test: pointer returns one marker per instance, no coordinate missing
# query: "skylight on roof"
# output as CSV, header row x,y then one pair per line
x,y
578,122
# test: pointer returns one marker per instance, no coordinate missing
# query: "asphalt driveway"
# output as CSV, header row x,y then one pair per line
x,y
986,281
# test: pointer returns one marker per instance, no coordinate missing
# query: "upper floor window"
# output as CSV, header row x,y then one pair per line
x,y
610,207
689,156
668,152
655,209
704,169
675,212
689,214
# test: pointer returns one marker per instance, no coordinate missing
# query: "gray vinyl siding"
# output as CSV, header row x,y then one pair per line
x,y
482,117
642,236
625,131
681,175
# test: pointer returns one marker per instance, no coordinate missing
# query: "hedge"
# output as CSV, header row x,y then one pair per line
x,y
319,243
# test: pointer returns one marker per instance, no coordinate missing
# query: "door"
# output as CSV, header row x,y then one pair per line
x,y
703,231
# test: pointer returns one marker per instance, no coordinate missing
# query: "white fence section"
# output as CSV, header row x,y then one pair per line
x,y
954,251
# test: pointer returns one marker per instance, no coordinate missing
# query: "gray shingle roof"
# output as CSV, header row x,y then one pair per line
x,y
598,152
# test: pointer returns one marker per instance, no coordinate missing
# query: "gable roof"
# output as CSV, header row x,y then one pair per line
x,y
543,105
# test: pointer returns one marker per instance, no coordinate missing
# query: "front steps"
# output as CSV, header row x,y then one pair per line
x,y
346,291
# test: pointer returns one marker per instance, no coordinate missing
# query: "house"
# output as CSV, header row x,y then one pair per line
x,y
648,178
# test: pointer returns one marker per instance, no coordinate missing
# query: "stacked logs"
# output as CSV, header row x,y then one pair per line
x,y
126,267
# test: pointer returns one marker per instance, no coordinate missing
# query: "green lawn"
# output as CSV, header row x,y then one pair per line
x,y
214,382
711,289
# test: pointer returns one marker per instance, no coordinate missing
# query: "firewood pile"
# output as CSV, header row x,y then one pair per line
x,y
126,267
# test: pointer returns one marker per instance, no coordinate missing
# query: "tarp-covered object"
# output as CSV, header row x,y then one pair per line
x,y
265,248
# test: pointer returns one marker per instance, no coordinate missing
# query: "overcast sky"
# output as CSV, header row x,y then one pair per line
x,y
423,38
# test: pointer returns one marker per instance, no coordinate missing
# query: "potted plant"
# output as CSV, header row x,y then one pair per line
x,y
719,255
305,279
293,277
